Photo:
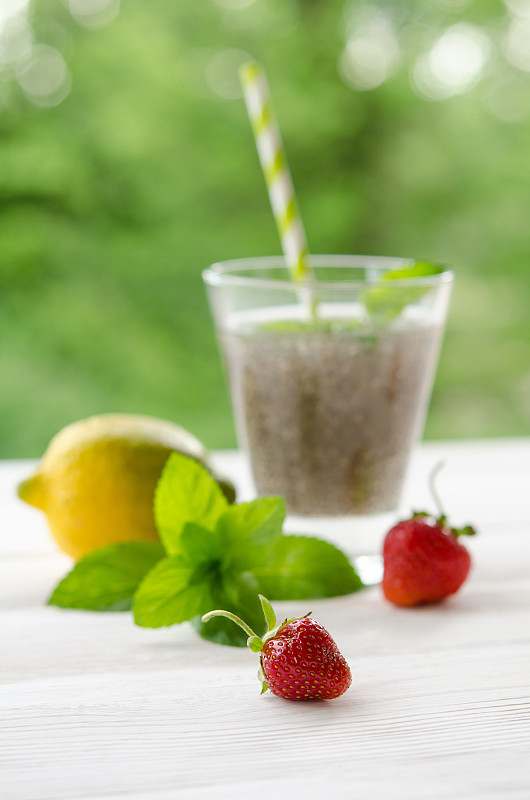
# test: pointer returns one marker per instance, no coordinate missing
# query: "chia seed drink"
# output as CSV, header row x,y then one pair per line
x,y
330,378
329,418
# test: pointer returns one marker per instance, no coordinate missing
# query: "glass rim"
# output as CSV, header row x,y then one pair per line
x,y
227,273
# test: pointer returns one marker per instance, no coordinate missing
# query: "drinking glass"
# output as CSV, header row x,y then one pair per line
x,y
330,381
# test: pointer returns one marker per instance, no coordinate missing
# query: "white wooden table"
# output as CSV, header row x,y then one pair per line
x,y
94,708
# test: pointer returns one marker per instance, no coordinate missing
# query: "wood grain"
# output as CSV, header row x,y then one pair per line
x,y
93,708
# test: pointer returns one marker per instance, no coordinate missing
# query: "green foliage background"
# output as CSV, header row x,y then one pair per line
x,y
112,202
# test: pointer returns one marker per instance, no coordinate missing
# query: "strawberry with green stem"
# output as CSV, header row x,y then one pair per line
x,y
423,560
298,658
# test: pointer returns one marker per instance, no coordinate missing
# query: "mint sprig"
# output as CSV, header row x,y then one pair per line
x,y
212,555
386,300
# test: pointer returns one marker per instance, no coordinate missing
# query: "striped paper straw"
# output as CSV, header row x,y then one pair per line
x,y
274,164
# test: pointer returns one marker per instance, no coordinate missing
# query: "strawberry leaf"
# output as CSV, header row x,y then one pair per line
x,y
466,530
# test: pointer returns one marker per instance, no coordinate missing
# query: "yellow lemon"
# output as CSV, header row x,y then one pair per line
x,y
96,480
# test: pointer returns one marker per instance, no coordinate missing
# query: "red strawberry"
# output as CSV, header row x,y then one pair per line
x,y
423,561
299,660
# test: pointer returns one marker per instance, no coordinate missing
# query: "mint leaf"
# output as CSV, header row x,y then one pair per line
x,y
197,544
107,578
172,592
179,587
238,593
247,528
385,302
317,325
420,269
186,492
305,568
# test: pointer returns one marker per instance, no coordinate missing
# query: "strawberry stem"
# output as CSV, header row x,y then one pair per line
x,y
234,618
254,642
434,494
466,530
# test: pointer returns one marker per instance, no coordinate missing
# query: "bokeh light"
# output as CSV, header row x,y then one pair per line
x,y
15,33
44,76
372,51
94,13
454,5
16,40
517,44
454,64
222,73
10,9
244,17
275,19
509,100
520,8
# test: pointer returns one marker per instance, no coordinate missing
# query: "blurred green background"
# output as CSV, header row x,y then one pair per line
x,y
127,165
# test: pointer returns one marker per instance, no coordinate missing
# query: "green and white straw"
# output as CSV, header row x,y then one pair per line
x,y
275,168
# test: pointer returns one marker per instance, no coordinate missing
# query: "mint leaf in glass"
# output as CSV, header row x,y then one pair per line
x,y
186,492
385,301
107,578
316,325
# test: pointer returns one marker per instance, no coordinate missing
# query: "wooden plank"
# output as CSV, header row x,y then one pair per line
x,y
94,708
